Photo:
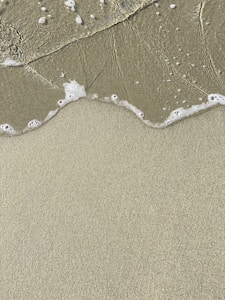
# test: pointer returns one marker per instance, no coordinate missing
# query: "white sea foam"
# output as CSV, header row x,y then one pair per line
x,y
176,115
42,20
33,124
7,128
70,4
79,20
181,113
74,91
11,63
131,107
115,99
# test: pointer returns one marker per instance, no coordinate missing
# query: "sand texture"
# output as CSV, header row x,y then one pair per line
x,y
96,205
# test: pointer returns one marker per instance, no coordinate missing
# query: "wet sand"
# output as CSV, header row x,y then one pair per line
x,y
24,39
160,59
96,205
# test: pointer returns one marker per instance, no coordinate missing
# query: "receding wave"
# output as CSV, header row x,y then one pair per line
x,y
160,59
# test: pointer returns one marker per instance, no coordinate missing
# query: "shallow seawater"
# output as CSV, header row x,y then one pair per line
x,y
160,59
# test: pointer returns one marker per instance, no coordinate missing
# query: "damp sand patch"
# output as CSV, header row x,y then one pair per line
x,y
163,63
32,29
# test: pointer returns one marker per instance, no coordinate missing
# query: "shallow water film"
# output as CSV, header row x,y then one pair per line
x,y
160,59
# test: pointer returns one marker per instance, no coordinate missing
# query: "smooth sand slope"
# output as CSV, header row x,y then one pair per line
x,y
96,205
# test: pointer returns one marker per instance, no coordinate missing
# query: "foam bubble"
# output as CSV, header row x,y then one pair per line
x,y
42,20
94,96
43,8
70,4
33,124
114,97
173,6
79,20
62,102
216,98
11,63
7,128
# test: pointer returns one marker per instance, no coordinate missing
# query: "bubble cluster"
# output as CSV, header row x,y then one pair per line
x,y
7,128
70,4
114,97
33,124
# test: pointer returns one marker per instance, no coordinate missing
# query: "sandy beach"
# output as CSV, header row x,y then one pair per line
x,y
96,205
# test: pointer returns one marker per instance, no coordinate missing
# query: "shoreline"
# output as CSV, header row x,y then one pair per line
x,y
97,205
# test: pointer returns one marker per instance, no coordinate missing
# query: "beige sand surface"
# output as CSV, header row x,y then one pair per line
x,y
96,205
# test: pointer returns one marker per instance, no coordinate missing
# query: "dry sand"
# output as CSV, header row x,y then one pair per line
x,y
96,205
